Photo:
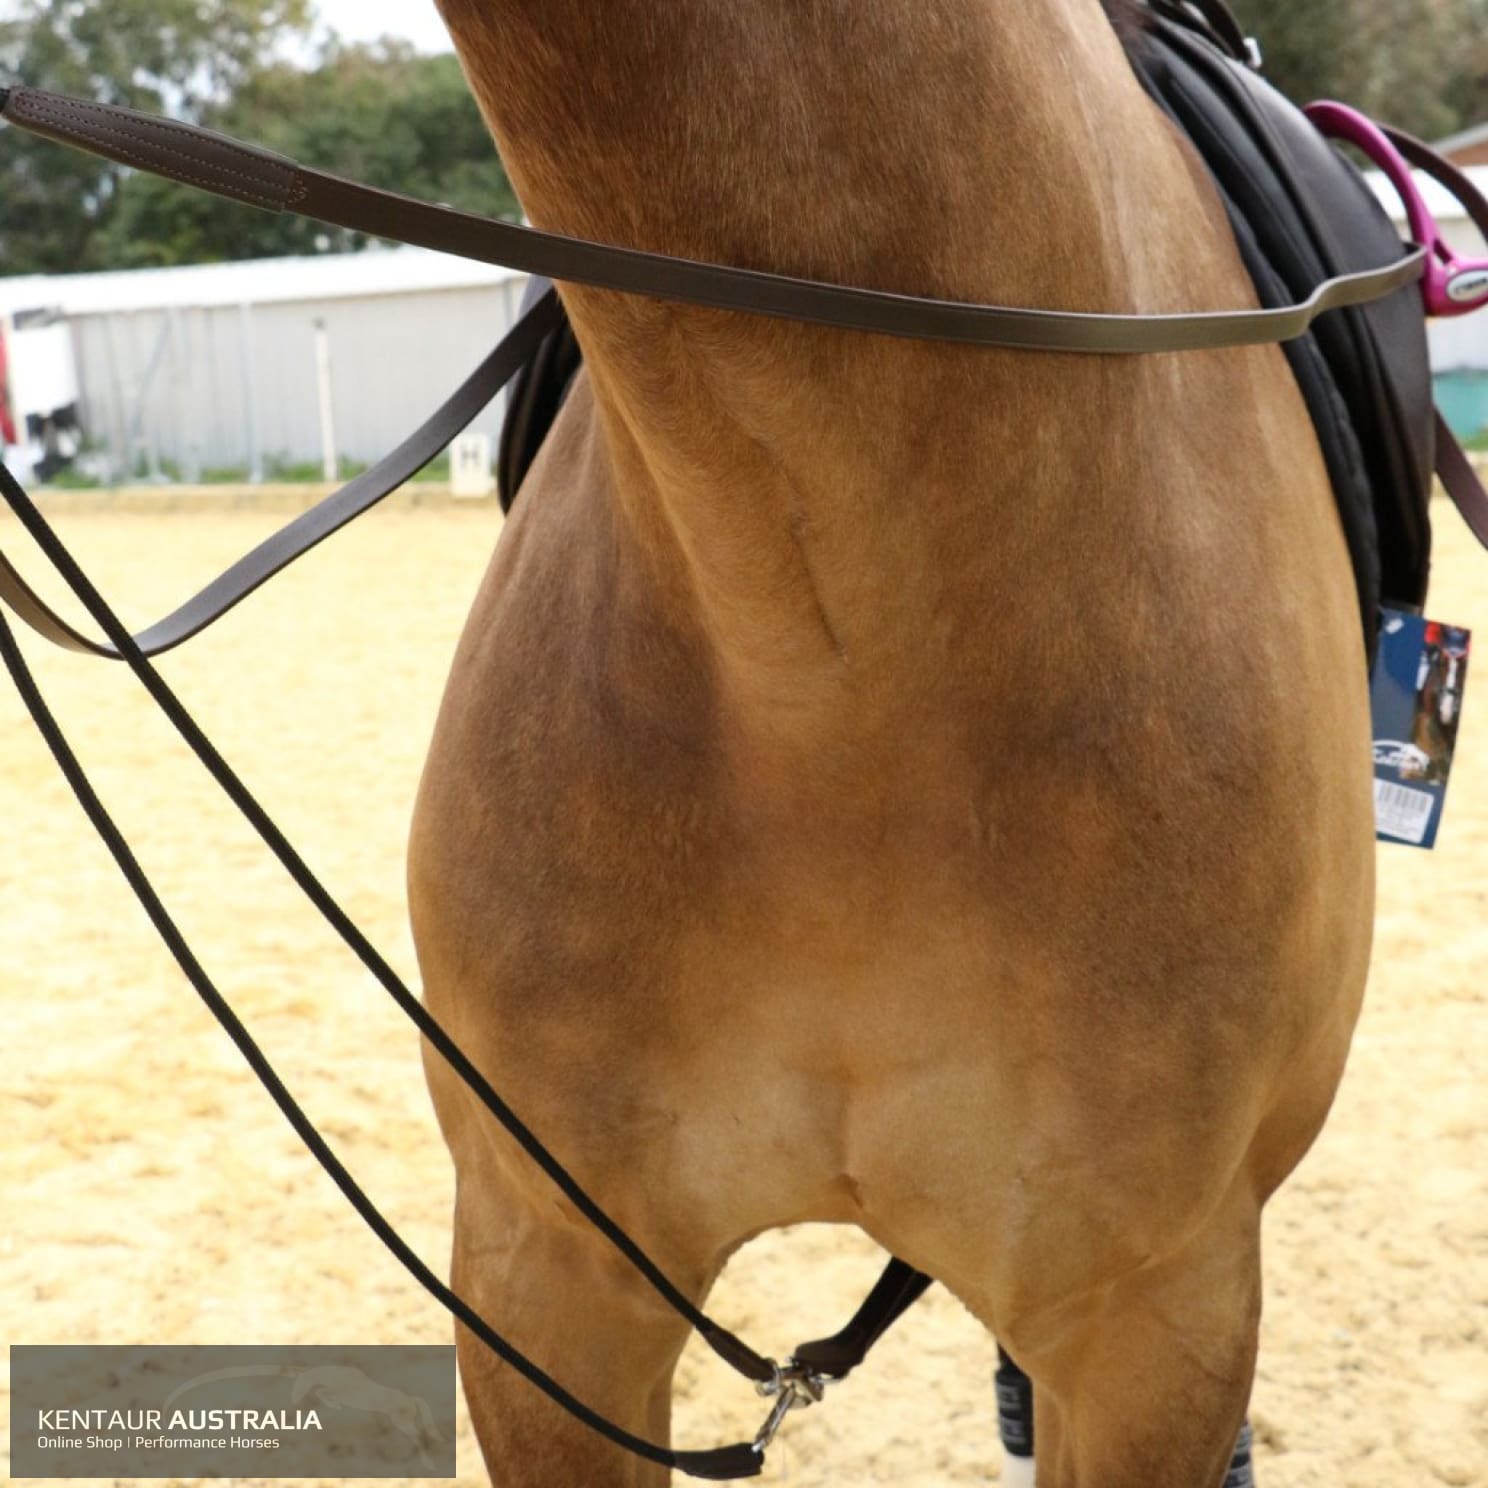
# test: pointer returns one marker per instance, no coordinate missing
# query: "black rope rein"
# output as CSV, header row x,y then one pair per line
x,y
829,1359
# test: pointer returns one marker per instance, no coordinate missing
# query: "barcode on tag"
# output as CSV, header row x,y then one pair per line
x,y
1402,812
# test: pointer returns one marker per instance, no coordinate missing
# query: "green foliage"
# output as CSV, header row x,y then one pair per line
x,y
1465,88
378,113
309,472
162,468
224,475
383,114
1420,64
164,55
70,479
1307,44
436,472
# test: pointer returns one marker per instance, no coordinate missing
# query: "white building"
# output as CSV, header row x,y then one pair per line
x,y
180,371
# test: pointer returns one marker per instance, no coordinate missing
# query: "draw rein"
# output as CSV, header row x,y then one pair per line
x,y
243,173
210,161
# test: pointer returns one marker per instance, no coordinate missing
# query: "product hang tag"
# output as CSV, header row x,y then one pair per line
x,y
1416,703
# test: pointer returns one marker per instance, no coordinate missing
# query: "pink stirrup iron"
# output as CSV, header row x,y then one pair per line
x,y
1453,285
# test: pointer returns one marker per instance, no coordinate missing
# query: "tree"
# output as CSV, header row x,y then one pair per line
x,y
1421,64
1308,45
380,114
176,56
1467,91
406,122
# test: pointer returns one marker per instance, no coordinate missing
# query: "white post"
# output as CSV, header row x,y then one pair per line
x,y
250,392
327,412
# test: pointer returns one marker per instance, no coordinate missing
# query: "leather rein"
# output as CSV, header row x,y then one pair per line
x,y
244,173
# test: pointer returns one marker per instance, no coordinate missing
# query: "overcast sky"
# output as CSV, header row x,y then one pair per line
x,y
363,20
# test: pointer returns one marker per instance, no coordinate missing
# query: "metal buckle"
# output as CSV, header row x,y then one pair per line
x,y
793,1387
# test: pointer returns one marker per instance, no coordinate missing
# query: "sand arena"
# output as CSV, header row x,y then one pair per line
x,y
152,1194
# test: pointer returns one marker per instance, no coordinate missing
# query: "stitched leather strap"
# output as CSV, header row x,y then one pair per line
x,y
1217,17
1457,473
895,1292
311,528
1460,478
1424,158
199,157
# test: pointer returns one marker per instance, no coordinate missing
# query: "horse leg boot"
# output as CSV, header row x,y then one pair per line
x,y
1015,1420
543,1276
1150,1386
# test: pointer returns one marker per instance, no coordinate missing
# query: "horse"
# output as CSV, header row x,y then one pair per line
x,y
818,823
1434,732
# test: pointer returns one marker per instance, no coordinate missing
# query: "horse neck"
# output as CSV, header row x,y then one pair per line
x,y
970,149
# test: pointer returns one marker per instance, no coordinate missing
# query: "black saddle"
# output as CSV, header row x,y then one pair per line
x,y
1301,213
534,397
1299,207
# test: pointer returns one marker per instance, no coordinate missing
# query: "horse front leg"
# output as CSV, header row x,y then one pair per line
x,y
541,1274
1015,1426
1149,1389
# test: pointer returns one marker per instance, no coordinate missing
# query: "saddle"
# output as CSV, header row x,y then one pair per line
x,y
1300,212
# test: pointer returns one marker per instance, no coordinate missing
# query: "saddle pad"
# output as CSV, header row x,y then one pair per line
x,y
533,399
1301,213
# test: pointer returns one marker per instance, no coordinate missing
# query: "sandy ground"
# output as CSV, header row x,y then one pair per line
x,y
152,1194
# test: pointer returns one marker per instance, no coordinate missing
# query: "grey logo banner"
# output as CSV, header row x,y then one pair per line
x,y
276,1411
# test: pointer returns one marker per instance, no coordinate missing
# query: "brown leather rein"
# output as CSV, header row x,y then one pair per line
x,y
227,167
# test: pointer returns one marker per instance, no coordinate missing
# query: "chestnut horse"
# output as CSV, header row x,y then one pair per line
x,y
823,821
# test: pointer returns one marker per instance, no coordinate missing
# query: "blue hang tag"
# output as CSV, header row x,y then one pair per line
x,y
1416,702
